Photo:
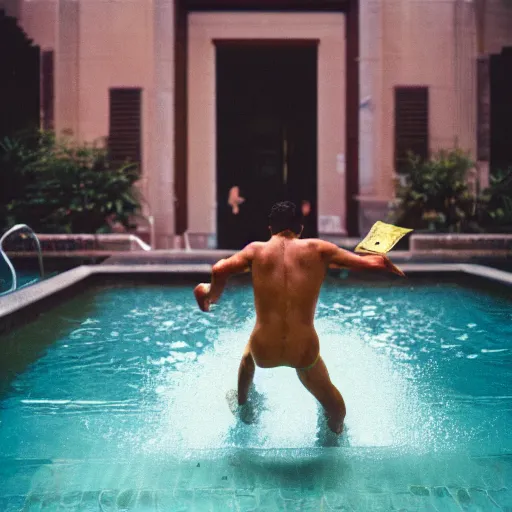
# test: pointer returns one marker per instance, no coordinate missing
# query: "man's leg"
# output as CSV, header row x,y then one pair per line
x,y
317,381
245,375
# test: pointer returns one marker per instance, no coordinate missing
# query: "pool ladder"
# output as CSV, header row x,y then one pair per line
x,y
14,229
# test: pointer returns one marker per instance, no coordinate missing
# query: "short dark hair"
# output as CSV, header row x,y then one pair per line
x,y
284,216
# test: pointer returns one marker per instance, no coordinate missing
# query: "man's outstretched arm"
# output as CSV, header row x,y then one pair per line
x,y
340,258
240,262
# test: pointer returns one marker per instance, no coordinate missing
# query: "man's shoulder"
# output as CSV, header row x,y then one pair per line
x,y
255,245
253,248
316,243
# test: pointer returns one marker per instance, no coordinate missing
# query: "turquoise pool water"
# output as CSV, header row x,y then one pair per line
x,y
116,401
24,278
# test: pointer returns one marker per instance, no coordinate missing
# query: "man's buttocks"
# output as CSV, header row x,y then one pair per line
x,y
272,346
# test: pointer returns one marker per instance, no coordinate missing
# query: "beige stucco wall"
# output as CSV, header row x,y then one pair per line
x,y
203,28
110,43
497,25
39,20
11,7
102,44
98,44
428,43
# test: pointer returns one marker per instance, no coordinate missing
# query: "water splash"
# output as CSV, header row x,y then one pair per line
x,y
385,405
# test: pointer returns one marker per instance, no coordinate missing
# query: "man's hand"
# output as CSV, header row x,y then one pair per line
x,y
340,258
202,295
385,263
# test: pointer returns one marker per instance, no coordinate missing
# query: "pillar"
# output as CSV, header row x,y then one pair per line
x,y
161,195
373,200
67,69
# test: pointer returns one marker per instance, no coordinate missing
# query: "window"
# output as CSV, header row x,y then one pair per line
x,y
411,123
124,139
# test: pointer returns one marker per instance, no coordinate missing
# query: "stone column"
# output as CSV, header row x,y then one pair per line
x,y
465,49
161,172
67,68
372,200
483,120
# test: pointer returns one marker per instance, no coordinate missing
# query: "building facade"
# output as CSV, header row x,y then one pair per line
x,y
232,104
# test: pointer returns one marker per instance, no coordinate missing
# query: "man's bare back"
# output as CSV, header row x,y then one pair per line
x,y
287,274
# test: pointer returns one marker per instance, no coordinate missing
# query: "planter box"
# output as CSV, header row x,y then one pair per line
x,y
483,244
75,243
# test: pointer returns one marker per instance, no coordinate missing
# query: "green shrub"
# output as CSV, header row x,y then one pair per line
x,y
495,203
434,193
57,186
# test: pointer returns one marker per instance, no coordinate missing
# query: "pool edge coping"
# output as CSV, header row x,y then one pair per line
x,y
25,297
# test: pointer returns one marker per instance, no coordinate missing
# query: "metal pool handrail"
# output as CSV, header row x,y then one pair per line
x,y
14,229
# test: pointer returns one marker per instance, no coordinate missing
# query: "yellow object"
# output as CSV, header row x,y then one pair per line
x,y
381,238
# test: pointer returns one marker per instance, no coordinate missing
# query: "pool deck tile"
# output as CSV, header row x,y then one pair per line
x,y
446,503
90,502
217,500
126,499
107,500
71,499
242,479
146,501
186,476
270,500
480,499
409,502
502,497
169,501
246,500
349,501
266,483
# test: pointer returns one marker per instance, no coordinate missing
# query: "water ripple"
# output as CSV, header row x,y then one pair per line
x,y
421,369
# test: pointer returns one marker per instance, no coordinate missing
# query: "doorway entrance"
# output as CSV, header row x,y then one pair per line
x,y
266,135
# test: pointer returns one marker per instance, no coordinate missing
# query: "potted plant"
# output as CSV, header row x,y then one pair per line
x,y
58,186
495,203
434,195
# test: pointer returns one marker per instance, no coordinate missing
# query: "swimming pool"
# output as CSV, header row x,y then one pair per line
x,y
115,400
24,278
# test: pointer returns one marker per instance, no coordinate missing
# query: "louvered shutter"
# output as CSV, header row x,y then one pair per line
x,y
411,123
124,139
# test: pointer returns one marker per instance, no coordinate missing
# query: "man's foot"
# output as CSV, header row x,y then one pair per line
x,y
335,424
250,411
327,436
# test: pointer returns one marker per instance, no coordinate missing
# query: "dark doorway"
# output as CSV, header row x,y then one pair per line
x,y
501,110
266,135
